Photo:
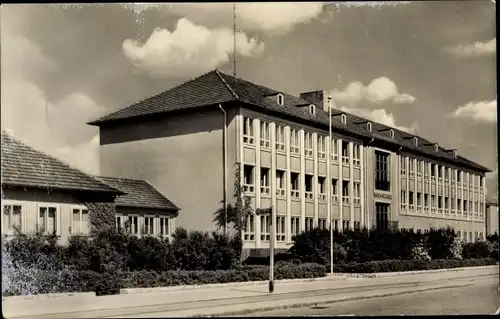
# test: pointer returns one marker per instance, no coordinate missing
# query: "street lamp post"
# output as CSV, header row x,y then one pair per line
x,y
330,208
270,212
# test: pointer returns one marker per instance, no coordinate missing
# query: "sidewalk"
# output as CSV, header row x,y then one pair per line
x,y
220,299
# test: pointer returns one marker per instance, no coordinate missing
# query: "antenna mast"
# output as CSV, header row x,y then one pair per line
x,y
234,39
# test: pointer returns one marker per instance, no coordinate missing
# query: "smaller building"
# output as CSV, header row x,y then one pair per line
x,y
41,191
491,216
143,210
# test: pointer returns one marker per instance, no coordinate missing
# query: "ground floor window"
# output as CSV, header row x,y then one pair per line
x,y
80,224
11,218
382,216
149,228
163,229
48,219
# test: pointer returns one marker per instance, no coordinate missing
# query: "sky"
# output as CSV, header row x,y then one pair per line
x,y
424,67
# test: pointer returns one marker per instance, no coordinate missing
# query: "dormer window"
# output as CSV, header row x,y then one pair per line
x,y
436,148
454,153
415,140
343,119
312,109
391,133
369,126
280,99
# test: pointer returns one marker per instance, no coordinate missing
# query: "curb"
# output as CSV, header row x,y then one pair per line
x,y
49,296
309,304
335,277
226,285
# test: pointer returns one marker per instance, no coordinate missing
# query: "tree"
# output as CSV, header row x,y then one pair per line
x,y
235,214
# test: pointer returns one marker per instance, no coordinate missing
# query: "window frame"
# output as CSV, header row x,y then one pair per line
x,y
280,138
12,203
80,208
249,136
265,129
58,216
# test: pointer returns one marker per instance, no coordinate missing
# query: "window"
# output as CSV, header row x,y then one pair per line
x,y
264,181
436,148
345,152
334,150
433,170
321,188
308,144
164,229
248,136
357,225
357,193
382,180
280,228
446,175
281,99
149,228
440,173
294,142
309,187
403,165
411,203
415,140
336,224
426,170
335,197
248,179
133,225
459,176
412,167
382,216
48,219
460,205
369,126
118,222
80,223
391,133
356,155
403,200
465,206
280,138
426,202
419,170
343,119
345,192
265,135
452,175
446,206
440,204
345,225
433,203
312,109
322,223
12,217
280,183
295,223
265,227
295,185
322,147
309,223
419,202
249,233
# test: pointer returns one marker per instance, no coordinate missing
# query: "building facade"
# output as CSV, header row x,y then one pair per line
x,y
491,217
367,175
40,191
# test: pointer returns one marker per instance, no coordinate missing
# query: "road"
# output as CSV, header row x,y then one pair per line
x,y
480,298
467,291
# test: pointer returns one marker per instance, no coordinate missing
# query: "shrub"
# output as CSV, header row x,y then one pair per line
x,y
410,265
419,252
479,249
314,246
492,238
440,242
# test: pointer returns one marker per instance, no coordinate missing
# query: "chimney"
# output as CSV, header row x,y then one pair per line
x,y
317,98
452,152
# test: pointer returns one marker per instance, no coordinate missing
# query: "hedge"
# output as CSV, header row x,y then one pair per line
x,y
410,265
24,282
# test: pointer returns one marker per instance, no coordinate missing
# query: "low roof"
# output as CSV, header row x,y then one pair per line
x,y
24,166
490,201
216,87
140,194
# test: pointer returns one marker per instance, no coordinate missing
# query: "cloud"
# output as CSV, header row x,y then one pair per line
x,y
26,110
275,18
379,90
188,50
481,111
476,49
380,116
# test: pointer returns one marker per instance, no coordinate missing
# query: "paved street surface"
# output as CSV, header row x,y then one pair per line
x,y
248,298
481,298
